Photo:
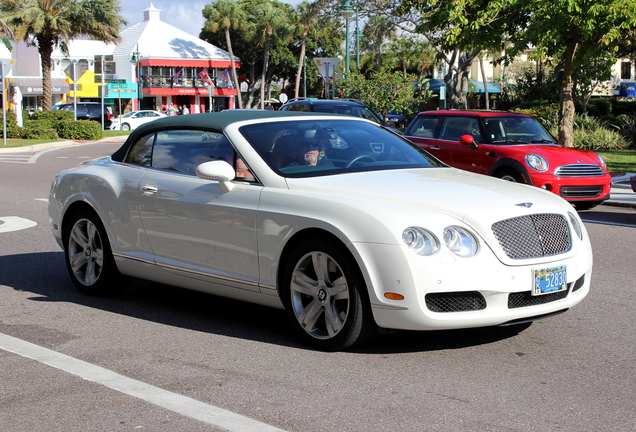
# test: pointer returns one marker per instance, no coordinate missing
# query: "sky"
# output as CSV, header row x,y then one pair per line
x,y
181,14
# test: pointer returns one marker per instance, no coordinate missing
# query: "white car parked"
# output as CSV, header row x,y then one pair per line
x,y
346,225
133,119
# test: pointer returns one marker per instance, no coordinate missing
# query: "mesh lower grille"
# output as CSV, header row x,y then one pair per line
x,y
533,236
523,299
579,283
455,302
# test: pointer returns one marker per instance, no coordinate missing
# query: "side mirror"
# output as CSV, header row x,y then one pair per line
x,y
220,171
468,140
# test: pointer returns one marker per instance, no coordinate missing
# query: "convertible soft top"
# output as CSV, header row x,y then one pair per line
x,y
208,121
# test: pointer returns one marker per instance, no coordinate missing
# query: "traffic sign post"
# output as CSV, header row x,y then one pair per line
x,y
326,66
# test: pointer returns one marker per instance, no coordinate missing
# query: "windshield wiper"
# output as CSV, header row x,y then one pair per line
x,y
511,141
543,141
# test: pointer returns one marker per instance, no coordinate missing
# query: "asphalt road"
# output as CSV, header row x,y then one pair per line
x,y
159,358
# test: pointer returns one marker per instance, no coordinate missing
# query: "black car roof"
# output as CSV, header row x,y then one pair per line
x,y
208,121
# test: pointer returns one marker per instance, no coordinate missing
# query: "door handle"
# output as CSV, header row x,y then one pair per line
x,y
434,148
149,189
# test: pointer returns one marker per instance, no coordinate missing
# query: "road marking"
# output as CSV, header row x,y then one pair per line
x,y
172,401
608,223
15,223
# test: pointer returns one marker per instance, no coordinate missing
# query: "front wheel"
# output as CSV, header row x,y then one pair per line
x,y
324,298
88,256
510,175
125,127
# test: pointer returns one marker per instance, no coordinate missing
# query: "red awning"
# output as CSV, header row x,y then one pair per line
x,y
221,64
187,91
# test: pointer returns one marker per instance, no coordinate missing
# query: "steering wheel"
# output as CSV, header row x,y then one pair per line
x,y
359,158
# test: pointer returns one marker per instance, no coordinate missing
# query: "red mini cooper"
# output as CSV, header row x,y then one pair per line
x,y
514,147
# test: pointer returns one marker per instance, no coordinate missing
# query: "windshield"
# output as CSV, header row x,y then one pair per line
x,y
513,130
311,148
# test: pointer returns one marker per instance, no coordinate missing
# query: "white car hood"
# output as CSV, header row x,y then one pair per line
x,y
473,198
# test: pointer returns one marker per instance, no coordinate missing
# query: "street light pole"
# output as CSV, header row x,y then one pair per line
x,y
347,12
357,43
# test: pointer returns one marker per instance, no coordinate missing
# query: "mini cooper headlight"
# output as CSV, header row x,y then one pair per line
x,y
602,161
576,225
537,162
461,242
420,241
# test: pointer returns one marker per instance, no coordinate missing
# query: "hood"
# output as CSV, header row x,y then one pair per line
x,y
558,155
474,198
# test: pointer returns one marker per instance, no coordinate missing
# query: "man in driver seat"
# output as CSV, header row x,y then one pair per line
x,y
310,150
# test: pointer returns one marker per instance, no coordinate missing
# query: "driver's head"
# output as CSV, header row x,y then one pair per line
x,y
311,147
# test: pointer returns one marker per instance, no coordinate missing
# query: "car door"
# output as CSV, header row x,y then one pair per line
x,y
194,228
460,155
424,131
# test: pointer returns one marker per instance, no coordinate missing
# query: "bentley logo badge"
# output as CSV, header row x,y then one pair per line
x,y
526,205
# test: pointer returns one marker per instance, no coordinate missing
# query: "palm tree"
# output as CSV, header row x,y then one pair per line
x,y
52,23
269,22
307,13
376,32
226,15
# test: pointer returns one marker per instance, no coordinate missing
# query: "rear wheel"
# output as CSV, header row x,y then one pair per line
x,y
324,295
510,175
88,256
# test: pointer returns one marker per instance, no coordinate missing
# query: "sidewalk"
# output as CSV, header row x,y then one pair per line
x,y
622,194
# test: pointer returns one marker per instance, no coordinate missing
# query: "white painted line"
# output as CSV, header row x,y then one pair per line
x,y
42,199
15,223
172,401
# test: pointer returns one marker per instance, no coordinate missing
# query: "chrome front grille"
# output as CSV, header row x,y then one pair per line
x,y
533,236
579,170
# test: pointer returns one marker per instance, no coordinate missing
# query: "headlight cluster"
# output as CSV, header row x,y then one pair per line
x,y
576,225
537,162
602,161
459,240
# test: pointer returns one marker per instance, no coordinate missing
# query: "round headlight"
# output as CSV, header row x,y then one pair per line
x,y
460,241
602,161
537,162
420,241
576,225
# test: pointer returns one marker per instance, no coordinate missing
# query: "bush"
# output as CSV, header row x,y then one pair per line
x,y
38,130
626,126
592,134
600,107
53,116
79,130
13,131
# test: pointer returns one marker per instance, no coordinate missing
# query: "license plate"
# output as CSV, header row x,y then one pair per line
x,y
549,280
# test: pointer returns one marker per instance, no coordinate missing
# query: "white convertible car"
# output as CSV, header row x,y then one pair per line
x,y
344,224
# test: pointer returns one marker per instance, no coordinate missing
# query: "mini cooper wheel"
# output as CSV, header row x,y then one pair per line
x,y
510,175
323,296
88,256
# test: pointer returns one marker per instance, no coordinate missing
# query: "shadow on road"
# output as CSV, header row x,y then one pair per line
x,y
44,274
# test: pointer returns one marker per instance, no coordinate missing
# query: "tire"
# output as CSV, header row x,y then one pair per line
x,y
325,297
89,258
510,175
125,127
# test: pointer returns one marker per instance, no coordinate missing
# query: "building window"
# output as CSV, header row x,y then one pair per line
x,y
626,70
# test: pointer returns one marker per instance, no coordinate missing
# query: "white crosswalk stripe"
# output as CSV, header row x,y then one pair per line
x,y
18,157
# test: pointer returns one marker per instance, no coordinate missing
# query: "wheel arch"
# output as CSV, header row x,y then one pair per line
x,y
503,164
311,234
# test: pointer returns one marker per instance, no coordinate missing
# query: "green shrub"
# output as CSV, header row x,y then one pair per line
x,y
79,130
53,116
600,107
599,139
626,126
13,131
38,130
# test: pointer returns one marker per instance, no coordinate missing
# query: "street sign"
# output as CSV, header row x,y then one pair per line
x,y
326,66
118,81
